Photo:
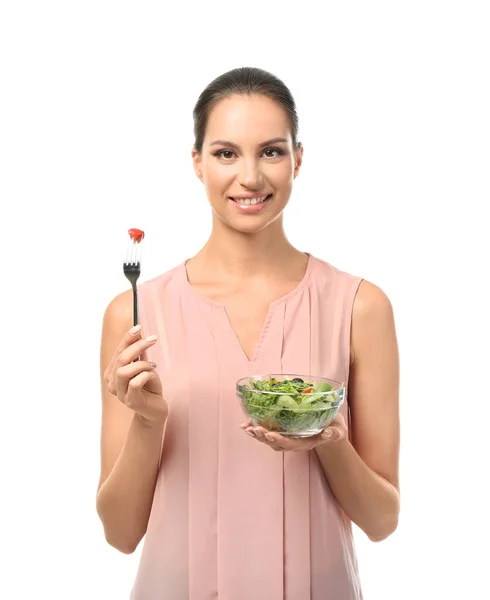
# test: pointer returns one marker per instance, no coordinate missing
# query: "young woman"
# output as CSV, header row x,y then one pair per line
x,y
229,510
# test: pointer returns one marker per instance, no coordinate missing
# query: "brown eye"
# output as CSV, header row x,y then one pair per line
x,y
276,150
221,154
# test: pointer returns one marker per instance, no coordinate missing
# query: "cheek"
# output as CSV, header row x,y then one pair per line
x,y
280,174
215,175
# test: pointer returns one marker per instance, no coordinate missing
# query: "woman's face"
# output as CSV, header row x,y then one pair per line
x,y
240,165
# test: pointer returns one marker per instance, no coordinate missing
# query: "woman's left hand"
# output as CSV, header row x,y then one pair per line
x,y
335,432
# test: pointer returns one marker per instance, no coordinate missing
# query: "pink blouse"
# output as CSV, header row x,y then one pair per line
x,y
231,518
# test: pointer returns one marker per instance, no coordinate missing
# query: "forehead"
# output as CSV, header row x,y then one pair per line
x,y
247,117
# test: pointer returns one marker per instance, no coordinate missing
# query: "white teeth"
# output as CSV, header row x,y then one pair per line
x,y
249,201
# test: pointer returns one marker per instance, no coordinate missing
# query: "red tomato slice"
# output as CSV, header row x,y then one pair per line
x,y
136,234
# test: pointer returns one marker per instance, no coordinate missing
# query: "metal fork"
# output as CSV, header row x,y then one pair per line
x,y
132,270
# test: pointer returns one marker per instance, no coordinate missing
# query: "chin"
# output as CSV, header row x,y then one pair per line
x,y
248,224
250,228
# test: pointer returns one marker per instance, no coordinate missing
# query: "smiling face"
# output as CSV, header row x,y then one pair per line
x,y
248,162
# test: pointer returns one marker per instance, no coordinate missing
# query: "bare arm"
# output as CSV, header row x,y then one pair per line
x,y
363,472
130,444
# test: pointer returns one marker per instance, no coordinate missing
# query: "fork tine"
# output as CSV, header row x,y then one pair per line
x,y
132,271
133,253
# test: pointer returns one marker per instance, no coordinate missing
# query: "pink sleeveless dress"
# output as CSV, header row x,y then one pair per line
x,y
231,518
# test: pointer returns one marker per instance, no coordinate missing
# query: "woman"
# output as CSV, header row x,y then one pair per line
x,y
242,513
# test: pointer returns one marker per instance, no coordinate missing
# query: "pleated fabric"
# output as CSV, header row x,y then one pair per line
x,y
231,518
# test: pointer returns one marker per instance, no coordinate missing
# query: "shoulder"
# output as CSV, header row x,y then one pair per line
x,y
328,275
372,317
120,308
371,302
369,298
167,276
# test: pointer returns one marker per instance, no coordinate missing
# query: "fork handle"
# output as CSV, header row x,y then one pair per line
x,y
135,305
135,311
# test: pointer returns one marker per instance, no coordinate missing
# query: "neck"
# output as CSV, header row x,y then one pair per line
x,y
240,254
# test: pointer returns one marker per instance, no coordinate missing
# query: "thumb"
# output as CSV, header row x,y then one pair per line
x,y
330,433
154,384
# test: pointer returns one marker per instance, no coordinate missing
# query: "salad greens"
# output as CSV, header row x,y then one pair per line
x,y
291,404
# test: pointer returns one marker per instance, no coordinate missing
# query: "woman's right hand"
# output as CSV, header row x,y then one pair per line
x,y
136,384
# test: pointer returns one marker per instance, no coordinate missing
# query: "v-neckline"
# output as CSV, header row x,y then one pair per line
x,y
222,308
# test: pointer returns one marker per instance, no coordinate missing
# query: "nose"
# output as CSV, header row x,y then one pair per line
x,y
250,175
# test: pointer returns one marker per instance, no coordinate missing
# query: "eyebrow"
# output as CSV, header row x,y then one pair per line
x,y
267,143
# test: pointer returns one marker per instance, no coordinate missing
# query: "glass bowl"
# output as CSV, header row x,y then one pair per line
x,y
292,405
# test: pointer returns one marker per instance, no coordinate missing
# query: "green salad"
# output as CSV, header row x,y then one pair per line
x,y
297,405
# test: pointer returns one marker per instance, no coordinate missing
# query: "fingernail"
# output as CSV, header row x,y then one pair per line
x,y
250,433
134,330
258,433
152,338
269,437
327,433
152,364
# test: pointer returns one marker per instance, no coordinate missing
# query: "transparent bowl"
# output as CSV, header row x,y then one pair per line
x,y
295,412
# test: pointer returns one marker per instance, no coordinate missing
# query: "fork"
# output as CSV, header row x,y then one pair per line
x,y
132,270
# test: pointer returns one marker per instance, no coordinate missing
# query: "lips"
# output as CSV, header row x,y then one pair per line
x,y
242,207
250,200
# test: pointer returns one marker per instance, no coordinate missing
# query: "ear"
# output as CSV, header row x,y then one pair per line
x,y
298,159
196,159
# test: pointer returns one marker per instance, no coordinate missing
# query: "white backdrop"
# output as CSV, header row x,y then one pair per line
x,y
95,137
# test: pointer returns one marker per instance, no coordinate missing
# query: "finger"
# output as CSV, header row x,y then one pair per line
x,y
246,424
339,420
277,441
330,433
144,355
129,338
136,349
127,356
250,430
260,432
130,354
128,372
133,398
133,368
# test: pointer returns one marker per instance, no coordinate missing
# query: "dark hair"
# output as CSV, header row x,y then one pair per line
x,y
244,81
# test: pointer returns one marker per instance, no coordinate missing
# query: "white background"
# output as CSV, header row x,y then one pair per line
x,y
95,137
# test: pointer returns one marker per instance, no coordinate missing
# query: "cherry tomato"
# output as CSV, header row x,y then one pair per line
x,y
136,234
